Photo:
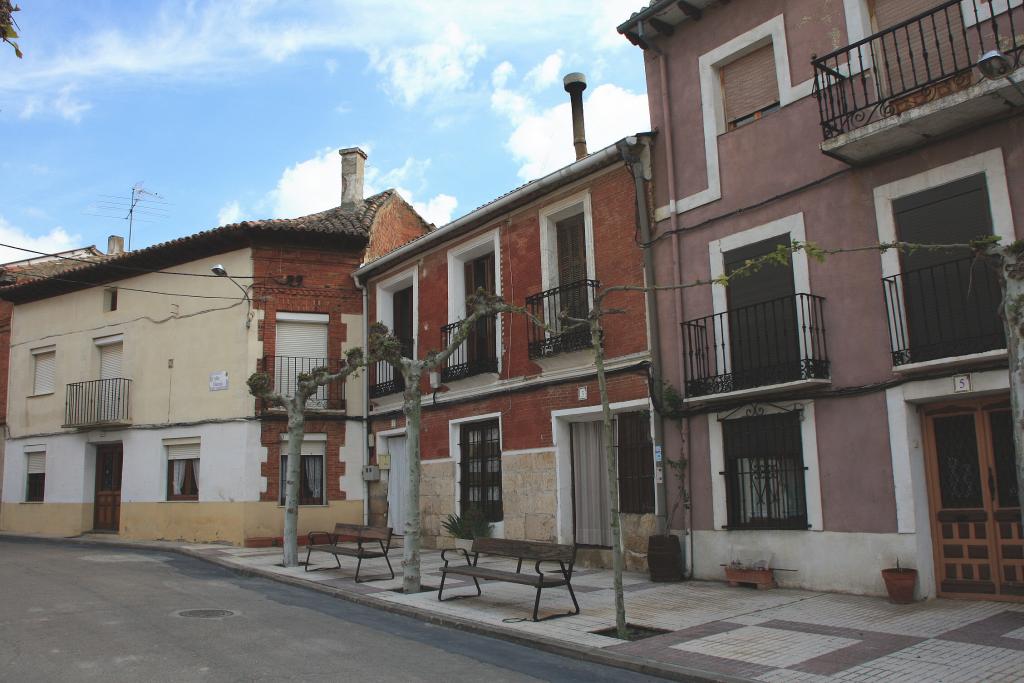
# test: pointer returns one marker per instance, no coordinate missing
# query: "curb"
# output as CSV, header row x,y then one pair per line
x,y
578,652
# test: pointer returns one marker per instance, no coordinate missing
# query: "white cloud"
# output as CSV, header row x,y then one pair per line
x,y
439,67
342,109
547,72
229,213
541,142
63,104
331,65
438,210
502,73
57,239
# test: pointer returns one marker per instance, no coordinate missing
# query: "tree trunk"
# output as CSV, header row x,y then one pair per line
x,y
296,430
1013,319
611,460
412,407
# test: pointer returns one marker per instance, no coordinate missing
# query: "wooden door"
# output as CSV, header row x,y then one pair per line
x,y
973,499
107,502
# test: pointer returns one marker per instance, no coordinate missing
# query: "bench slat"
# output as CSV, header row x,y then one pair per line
x,y
364,533
527,579
527,550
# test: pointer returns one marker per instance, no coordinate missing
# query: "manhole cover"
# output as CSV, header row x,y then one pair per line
x,y
206,613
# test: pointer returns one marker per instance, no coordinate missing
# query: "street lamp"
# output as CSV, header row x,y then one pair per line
x,y
221,271
994,65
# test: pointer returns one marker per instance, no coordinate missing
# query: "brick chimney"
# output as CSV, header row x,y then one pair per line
x,y
353,161
115,245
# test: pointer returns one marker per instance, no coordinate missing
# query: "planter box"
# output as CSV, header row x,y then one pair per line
x,y
762,579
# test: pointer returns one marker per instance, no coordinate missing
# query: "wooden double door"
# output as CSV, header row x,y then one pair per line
x,y
973,499
107,500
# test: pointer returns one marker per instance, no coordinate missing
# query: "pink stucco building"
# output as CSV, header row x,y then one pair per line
x,y
839,415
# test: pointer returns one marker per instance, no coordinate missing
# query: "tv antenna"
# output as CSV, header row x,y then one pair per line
x,y
143,206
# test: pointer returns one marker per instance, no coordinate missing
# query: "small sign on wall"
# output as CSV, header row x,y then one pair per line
x,y
581,393
219,380
384,461
961,384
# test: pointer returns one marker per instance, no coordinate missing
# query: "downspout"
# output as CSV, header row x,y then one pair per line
x,y
677,294
365,380
633,154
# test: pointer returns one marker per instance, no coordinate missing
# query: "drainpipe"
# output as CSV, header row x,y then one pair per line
x,y
677,278
366,399
633,151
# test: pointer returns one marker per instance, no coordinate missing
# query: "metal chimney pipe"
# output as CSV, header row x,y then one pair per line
x,y
575,83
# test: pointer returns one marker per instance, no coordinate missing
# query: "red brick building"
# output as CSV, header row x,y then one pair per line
x,y
510,426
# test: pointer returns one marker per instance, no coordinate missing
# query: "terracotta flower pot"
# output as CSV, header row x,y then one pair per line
x,y
900,583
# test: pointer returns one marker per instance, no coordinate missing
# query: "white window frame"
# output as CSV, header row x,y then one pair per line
x,y
549,216
182,441
454,433
991,165
794,227
43,350
812,476
487,243
386,289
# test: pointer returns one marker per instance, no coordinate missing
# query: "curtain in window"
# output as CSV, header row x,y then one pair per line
x,y
179,476
195,473
593,517
314,479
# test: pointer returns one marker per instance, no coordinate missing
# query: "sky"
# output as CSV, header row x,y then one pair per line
x,y
235,109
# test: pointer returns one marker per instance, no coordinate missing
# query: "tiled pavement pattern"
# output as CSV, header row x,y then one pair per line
x,y
774,635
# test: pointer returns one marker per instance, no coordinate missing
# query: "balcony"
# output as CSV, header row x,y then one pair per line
x,y
764,345
99,402
384,380
285,370
475,356
917,80
574,301
944,312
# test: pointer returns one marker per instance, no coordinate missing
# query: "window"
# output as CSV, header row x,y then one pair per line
x,y
301,345
764,472
44,362
110,299
396,308
636,463
110,358
750,87
478,354
311,473
36,477
183,471
480,469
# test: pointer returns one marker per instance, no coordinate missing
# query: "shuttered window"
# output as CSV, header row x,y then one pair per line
x,y
749,86
301,339
36,478
110,361
183,471
311,473
44,364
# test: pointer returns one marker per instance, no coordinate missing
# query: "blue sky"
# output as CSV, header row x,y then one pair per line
x,y
235,109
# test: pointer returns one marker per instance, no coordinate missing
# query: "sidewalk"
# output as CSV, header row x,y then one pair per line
x,y
714,631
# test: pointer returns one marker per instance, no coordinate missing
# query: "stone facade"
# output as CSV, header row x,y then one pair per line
x,y
528,496
437,501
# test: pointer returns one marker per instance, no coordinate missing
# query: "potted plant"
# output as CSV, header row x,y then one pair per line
x,y
900,583
467,526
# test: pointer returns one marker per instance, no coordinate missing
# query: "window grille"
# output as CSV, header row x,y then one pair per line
x,y
480,469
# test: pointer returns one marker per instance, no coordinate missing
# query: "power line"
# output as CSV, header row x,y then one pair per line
x,y
126,289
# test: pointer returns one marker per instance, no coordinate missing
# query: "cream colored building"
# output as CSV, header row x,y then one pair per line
x,y
128,405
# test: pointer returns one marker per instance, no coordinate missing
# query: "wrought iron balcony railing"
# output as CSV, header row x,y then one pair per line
x,y
384,380
574,301
285,370
98,402
475,356
943,311
774,342
922,59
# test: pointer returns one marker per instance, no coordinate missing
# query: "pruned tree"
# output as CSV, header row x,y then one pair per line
x,y
8,26
261,385
384,346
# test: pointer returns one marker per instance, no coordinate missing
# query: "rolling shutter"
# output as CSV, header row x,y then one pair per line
x,y
45,364
749,84
183,451
301,339
37,463
110,361
313,447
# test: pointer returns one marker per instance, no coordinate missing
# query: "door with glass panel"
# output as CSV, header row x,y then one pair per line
x,y
974,502
398,483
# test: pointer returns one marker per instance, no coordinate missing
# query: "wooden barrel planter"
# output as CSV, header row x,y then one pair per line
x,y
664,558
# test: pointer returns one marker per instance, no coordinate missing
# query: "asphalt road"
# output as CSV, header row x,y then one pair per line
x,y
82,613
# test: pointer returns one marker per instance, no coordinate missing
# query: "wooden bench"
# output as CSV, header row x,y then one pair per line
x,y
325,542
530,551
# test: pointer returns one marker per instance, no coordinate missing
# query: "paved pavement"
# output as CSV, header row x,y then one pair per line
x,y
112,614
711,630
